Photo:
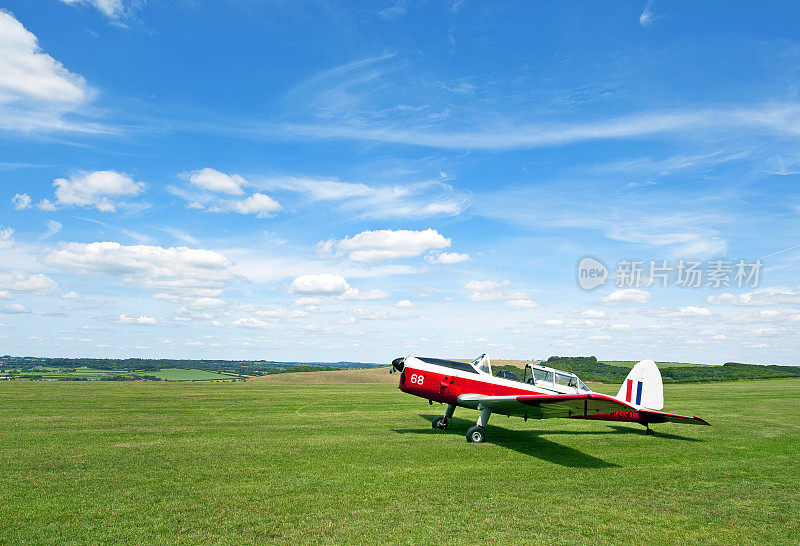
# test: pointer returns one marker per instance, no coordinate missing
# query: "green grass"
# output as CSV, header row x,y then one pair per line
x,y
353,463
178,374
631,363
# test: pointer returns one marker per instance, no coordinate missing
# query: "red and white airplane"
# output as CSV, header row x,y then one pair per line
x,y
543,393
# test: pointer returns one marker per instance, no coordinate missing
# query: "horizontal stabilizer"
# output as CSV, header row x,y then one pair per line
x,y
650,416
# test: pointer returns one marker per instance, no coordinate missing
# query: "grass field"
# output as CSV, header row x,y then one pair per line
x,y
283,460
179,374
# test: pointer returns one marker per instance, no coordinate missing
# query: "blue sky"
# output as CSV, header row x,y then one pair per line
x,y
358,181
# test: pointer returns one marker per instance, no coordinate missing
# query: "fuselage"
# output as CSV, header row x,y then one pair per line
x,y
444,381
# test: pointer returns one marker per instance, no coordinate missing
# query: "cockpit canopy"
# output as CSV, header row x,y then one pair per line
x,y
483,364
543,376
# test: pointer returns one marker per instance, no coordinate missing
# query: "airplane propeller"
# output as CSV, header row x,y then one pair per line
x,y
397,365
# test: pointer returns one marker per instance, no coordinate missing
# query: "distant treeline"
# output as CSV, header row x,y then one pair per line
x,y
242,367
589,369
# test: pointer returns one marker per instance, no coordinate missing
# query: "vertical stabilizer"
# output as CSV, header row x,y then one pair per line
x,y
643,388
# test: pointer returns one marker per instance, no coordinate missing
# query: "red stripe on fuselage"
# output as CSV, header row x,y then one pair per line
x,y
629,390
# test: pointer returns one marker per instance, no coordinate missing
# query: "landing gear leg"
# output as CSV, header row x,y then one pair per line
x,y
649,430
444,420
477,434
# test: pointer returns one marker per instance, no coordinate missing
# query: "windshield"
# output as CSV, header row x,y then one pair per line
x,y
582,386
542,375
483,364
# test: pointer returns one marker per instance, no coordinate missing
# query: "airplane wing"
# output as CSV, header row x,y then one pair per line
x,y
652,416
544,406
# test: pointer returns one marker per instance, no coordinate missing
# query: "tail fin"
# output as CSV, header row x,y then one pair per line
x,y
643,388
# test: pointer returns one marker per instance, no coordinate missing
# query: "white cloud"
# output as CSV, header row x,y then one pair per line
x,y
691,311
215,181
94,189
319,285
27,72
260,204
21,201
143,320
251,322
404,304
22,281
307,301
112,9
492,290
6,237
554,322
356,294
387,244
620,326
521,304
154,267
207,303
766,296
646,18
6,295
53,227
447,258
627,295
71,295
593,314
411,200
16,309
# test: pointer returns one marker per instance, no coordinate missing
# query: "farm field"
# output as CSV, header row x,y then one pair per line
x,y
179,374
354,460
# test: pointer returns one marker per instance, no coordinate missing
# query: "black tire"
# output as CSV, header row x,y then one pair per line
x,y
476,434
440,422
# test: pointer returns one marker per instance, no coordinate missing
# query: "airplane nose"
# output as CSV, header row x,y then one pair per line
x,y
398,364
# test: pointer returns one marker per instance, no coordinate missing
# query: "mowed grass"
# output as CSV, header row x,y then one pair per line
x,y
179,374
358,462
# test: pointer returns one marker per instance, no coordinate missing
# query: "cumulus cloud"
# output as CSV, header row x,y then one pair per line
x,y
6,237
356,294
22,281
766,296
16,309
404,304
593,314
93,189
386,244
521,304
319,285
260,204
21,201
307,301
447,258
492,290
627,295
212,183
27,72
215,181
175,268
141,320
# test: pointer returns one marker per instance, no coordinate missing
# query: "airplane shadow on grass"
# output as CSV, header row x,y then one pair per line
x,y
533,443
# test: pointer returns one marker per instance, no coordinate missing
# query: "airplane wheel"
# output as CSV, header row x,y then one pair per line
x,y
476,434
440,422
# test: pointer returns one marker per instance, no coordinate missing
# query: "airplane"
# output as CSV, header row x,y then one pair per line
x,y
543,393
